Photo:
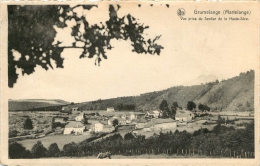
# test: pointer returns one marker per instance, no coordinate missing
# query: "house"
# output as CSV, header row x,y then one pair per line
x,y
110,109
97,127
132,115
80,117
153,114
184,116
74,127
139,115
140,123
160,124
74,109
121,121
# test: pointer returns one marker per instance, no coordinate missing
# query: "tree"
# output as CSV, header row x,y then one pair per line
x,y
129,136
247,104
35,43
175,104
28,124
17,151
191,105
115,122
38,150
70,149
201,107
164,108
173,111
54,150
85,119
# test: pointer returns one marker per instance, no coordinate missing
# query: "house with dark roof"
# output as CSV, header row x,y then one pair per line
x,y
160,124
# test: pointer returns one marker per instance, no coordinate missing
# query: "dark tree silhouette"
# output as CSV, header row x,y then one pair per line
x,y
115,122
53,150
191,105
129,136
165,109
17,151
173,110
31,33
38,150
28,124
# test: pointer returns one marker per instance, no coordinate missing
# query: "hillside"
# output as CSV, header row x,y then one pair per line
x,y
234,94
27,104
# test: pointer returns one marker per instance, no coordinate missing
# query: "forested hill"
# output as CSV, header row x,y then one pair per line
x,y
28,104
234,94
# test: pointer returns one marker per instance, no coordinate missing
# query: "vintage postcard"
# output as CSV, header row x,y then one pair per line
x,y
130,82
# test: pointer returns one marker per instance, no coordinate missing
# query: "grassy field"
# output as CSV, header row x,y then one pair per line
x,y
61,140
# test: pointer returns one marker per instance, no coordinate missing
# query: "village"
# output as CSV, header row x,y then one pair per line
x,y
71,124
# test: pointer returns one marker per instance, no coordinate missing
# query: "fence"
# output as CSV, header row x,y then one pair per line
x,y
180,152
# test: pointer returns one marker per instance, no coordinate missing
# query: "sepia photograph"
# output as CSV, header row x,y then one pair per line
x,y
130,80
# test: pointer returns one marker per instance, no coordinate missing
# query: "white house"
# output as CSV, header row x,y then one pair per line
x,y
184,116
153,114
132,115
110,109
97,127
80,117
74,127
160,124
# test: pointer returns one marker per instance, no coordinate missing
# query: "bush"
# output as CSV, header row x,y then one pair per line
x,y
70,149
17,151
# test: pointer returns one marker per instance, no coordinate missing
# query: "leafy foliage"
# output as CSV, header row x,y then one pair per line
x,y
220,140
28,124
191,105
164,108
38,150
17,151
31,32
53,150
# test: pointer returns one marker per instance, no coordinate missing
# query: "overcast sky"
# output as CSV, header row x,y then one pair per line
x,y
191,49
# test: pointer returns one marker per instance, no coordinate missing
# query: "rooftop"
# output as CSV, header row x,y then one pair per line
x,y
74,124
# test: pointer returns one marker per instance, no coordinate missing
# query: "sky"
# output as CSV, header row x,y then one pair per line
x,y
191,49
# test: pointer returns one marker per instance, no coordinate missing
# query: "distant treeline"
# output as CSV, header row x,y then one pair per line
x,y
222,141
